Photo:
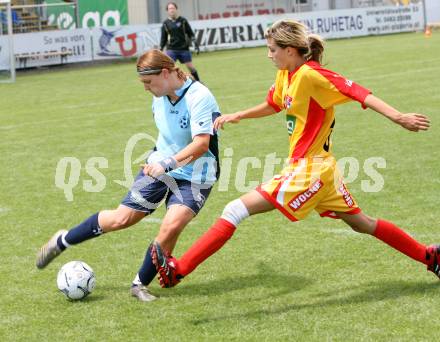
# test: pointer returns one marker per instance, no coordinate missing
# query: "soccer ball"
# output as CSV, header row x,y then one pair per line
x,y
76,280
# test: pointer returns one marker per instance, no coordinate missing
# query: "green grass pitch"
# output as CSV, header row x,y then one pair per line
x,y
275,280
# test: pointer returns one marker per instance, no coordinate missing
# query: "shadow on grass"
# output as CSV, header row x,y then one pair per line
x,y
370,292
89,299
274,284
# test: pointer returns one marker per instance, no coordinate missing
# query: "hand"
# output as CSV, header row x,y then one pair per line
x,y
221,120
153,170
414,122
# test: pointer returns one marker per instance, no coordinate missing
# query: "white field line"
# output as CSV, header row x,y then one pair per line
x,y
350,232
265,81
358,80
4,210
157,220
88,116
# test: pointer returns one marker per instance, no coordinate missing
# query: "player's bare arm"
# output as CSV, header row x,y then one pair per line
x,y
259,111
411,121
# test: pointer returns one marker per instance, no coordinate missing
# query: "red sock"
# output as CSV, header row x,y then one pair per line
x,y
398,239
209,243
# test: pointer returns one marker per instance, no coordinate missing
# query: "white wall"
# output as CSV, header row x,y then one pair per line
x,y
319,5
433,11
137,12
342,4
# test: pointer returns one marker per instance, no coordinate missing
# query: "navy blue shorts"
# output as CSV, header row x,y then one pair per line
x,y
147,193
183,56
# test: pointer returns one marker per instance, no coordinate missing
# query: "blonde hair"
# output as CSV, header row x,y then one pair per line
x,y
154,60
287,32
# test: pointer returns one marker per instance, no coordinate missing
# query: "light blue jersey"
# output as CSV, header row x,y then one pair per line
x,y
179,122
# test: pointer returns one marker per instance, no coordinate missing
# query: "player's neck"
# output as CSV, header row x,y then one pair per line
x,y
177,85
296,63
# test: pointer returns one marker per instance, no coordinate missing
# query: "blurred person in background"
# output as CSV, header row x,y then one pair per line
x,y
177,36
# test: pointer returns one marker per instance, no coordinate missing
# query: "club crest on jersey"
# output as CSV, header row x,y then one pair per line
x,y
287,101
184,122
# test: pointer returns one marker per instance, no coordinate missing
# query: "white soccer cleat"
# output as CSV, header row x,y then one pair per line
x,y
142,293
49,251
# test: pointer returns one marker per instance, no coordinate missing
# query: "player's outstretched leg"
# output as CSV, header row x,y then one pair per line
x,y
50,250
396,238
433,259
62,239
165,266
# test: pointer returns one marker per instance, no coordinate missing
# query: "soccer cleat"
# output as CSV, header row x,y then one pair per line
x,y
49,251
165,266
141,293
433,259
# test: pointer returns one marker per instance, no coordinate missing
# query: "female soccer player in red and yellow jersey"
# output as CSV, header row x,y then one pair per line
x,y
308,93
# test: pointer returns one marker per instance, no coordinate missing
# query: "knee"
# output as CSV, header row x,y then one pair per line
x,y
235,212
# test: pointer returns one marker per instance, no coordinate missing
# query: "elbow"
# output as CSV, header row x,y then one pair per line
x,y
201,146
204,147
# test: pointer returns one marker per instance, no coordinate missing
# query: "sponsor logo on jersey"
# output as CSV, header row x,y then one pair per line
x,y
346,195
298,201
290,121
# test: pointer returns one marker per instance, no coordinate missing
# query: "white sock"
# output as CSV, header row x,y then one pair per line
x,y
136,280
63,240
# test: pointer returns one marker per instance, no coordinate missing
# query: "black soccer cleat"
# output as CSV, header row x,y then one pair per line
x,y
433,259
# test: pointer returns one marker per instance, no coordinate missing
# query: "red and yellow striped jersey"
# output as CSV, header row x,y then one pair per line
x,y
309,94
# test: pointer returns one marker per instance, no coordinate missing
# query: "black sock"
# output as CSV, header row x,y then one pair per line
x,y
84,231
147,272
195,74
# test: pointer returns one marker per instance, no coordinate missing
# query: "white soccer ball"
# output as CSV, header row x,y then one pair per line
x,y
76,280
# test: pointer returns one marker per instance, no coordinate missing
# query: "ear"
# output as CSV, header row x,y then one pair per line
x,y
165,73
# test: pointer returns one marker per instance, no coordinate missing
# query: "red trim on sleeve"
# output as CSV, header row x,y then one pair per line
x,y
270,101
345,86
315,118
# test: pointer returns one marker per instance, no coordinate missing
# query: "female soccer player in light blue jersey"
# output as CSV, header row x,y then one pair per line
x,y
181,170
